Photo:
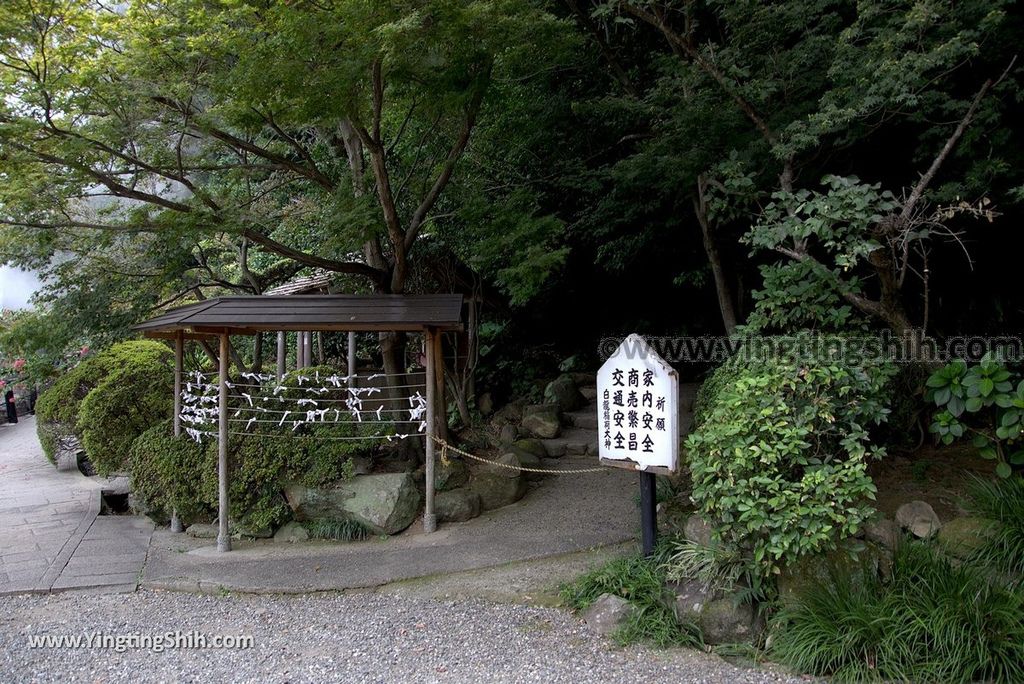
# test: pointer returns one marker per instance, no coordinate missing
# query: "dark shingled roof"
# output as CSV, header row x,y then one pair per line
x,y
241,315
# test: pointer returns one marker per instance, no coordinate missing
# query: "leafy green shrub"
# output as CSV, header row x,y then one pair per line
x,y
167,473
255,497
641,581
994,396
1002,502
107,400
932,621
779,461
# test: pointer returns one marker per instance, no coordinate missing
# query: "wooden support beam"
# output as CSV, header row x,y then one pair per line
x,y
429,517
441,406
223,536
282,354
351,370
179,355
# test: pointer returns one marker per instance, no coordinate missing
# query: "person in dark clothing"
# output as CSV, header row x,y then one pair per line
x,y
12,410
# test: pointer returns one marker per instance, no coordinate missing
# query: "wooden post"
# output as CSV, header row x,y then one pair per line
x,y
441,416
307,349
648,511
298,350
223,537
429,518
179,355
282,354
352,358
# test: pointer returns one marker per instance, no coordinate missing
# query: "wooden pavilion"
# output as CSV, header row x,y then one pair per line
x,y
222,317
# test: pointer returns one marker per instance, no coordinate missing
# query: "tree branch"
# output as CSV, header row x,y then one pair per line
x,y
420,215
940,158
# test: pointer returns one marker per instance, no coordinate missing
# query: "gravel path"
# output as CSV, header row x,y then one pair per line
x,y
333,638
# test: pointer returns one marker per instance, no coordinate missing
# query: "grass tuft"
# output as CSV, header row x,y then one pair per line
x,y
1001,501
641,581
337,530
932,622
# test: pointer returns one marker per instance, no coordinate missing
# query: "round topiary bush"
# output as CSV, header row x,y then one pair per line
x,y
108,400
57,407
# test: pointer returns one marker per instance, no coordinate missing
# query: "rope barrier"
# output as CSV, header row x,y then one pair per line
x,y
446,447
388,438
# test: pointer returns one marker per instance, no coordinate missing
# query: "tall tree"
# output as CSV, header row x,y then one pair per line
x,y
323,134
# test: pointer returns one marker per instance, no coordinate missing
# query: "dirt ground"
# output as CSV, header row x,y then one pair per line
x,y
933,474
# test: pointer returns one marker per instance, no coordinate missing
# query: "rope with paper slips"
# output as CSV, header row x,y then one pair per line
x,y
446,447
200,404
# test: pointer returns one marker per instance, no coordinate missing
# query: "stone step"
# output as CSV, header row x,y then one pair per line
x,y
572,442
589,393
586,418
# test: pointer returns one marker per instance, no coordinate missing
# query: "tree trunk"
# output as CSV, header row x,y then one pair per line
x,y
257,353
722,286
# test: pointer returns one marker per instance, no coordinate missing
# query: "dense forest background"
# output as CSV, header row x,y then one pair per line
x,y
585,169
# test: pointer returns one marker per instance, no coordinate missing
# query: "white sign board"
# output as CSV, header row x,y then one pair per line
x,y
638,412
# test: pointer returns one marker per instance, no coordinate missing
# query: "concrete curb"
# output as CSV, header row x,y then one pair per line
x,y
188,585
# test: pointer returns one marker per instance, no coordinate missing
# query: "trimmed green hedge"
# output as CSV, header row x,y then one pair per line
x,y
167,473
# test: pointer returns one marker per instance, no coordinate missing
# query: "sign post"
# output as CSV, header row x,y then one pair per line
x,y
638,421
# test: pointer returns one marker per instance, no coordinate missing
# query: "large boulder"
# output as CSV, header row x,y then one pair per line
x,y
542,420
854,562
457,505
508,433
723,621
883,532
499,486
918,517
608,614
385,503
563,393
961,537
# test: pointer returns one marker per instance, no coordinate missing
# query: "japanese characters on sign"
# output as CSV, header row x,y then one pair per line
x,y
638,417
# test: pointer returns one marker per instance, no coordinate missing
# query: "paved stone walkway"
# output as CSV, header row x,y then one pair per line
x,y
51,537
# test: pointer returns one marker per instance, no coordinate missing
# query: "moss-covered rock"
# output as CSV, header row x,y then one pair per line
x,y
497,485
531,446
723,621
542,420
386,503
854,561
961,537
